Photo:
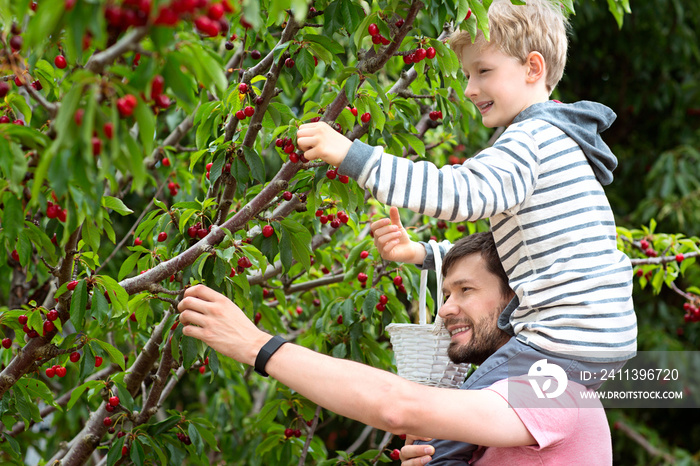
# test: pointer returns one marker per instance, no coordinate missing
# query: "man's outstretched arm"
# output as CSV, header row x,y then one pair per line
x,y
357,391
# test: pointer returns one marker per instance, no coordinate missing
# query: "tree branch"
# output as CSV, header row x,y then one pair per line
x,y
129,42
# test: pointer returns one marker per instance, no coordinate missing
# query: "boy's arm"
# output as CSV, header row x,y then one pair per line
x,y
498,179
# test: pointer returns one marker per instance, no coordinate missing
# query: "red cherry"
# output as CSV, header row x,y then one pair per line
x,y
74,356
377,39
287,196
335,223
162,101
419,55
6,342
157,86
15,255
60,61
71,285
16,43
50,372
4,119
202,369
380,307
331,174
96,145
249,111
364,255
78,117
289,63
18,122
361,277
132,317
383,299
430,53
49,327
469,13
398,281
215,11
339,320
680,258
125,108
395,454
23,319
137,241
61,371
202,232
243,88
644,244
373,29
240,114
107,421
108,129
257,318
114,400
344,179
268,231
366,117
399,23
288,432
162,236
98,361
255,54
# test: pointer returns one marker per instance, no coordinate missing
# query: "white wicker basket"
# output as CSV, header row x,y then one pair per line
x,y
421,349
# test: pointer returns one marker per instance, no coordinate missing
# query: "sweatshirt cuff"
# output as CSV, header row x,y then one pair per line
x,y
356,159
429,261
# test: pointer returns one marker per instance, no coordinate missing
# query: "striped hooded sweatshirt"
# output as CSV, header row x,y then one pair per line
x,y
540,186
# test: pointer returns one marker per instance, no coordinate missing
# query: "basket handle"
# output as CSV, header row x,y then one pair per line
x,y
423,312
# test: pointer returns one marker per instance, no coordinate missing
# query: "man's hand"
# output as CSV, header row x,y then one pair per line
x,y
414,455
392,241
320,141
213,318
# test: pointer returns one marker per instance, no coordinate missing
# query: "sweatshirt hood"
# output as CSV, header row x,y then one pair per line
x,y
583,122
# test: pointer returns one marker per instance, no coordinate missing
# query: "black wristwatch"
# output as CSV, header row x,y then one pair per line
x,y
266,352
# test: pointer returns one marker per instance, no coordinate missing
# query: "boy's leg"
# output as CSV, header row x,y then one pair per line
x,y
512,359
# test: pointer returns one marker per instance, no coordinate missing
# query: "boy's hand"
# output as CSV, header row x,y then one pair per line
x,y
213,318
412,455
320,141
392,241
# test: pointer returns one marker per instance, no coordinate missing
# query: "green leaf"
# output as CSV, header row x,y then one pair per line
x,y
128,265
351,85
115,356
147,125
305,64
255,163
116,205
77,305
300,241
38,389
370,302
196,438
189,351
91,235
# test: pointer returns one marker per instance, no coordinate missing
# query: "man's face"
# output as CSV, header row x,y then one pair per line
x,y
473,302
496,84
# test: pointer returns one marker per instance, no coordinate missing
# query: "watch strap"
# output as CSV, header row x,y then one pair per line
x,y
266,352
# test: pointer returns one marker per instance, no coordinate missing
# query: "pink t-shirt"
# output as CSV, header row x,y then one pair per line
x,y
571,430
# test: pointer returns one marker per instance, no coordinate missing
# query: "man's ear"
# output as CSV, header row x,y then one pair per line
x,y
536,67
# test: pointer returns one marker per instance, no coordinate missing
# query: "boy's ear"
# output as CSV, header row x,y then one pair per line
x,y
536,68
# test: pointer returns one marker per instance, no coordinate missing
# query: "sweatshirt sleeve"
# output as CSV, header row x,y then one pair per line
x,y
499,178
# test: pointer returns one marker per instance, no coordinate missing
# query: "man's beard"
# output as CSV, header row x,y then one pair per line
x,y
486,339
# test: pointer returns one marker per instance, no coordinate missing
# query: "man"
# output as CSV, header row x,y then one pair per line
x,y
474,298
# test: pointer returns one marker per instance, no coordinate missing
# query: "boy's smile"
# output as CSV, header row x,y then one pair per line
x,y
499,85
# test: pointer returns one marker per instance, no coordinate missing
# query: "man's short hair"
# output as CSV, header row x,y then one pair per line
x,y
478,243
540,26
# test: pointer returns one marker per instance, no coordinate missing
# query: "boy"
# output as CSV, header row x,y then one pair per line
x,y
540,187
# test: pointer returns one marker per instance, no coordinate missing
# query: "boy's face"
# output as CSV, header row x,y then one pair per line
x,y
498,84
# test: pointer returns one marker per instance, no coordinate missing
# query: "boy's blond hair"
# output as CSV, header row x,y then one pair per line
x,y
540,26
